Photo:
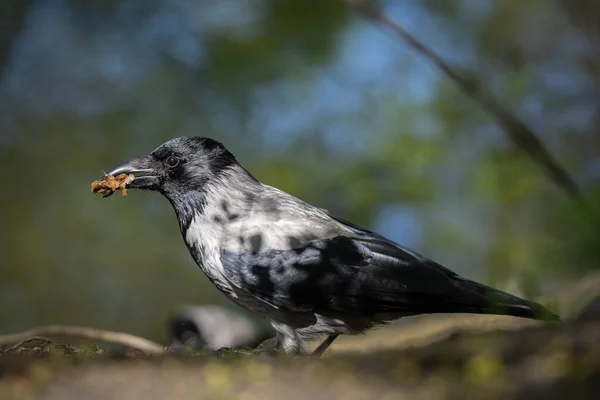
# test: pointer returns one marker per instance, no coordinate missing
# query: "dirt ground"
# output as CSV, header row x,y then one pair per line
x,y
434,357
427,357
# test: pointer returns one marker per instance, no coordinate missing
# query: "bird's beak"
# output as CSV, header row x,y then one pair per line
x,y
146,177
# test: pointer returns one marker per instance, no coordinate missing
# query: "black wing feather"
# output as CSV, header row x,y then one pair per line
x,y
364,276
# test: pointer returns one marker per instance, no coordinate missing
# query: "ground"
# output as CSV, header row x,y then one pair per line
x,y
431,357
428,357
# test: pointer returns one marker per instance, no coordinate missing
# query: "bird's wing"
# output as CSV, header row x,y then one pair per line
x,y
361,275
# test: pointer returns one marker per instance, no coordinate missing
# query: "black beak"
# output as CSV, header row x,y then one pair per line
x,y
146,177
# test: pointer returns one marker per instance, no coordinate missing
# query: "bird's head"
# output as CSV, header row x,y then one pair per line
x,y
179,166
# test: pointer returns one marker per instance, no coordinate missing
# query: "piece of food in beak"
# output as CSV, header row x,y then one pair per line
x,y
107,185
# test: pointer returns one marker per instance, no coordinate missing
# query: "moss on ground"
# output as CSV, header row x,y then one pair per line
x,y
557,360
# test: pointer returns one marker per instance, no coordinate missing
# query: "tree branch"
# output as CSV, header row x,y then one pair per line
x,y
121,338
518,131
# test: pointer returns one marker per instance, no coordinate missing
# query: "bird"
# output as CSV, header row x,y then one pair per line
x,y
308,273
212,327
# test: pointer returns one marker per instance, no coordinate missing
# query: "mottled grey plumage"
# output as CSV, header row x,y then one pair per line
x,y
305,271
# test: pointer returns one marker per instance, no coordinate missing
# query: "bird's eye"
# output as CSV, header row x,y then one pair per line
x,y
172,162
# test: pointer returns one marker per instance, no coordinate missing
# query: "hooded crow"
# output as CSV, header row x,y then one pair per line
x,y
307,272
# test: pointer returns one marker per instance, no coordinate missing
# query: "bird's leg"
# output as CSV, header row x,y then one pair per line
x,y
289,344
325,345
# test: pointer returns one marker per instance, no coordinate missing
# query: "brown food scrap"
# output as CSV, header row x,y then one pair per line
x,y
110,183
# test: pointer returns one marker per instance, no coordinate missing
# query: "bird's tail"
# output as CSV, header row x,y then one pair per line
x,y
494,301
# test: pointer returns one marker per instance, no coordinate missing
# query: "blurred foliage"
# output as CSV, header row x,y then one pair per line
x,y
312,100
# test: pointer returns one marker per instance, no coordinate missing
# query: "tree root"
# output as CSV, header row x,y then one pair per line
x,y
121,338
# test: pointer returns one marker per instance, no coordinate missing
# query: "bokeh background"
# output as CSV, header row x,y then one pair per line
x,y
313,99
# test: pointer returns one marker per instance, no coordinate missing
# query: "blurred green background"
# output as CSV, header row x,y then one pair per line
x,y
312,99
